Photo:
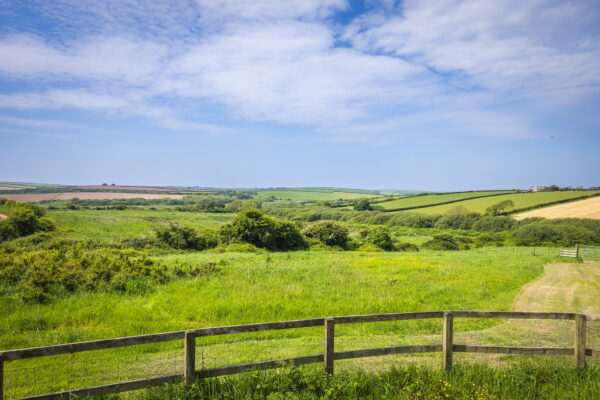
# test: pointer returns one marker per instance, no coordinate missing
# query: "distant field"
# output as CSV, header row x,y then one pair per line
x,y
106,225
417,201
37,197
588,208
313,194
520,200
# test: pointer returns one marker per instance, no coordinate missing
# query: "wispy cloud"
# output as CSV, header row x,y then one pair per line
x,y
443,67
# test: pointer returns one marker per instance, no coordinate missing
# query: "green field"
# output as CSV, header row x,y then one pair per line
x,y
250,288
256,286
105,225
316,194
424,200
520,200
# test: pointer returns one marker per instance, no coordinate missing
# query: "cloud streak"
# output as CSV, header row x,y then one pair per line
x,y
414,69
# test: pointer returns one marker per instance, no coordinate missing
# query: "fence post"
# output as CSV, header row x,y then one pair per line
x,y
576,250
579,350
329,346
189,348
1,379
447,341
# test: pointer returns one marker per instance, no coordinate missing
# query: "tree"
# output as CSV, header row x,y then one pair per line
x,y
496,209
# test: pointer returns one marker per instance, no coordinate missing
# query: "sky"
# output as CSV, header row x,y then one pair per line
x,y
437,95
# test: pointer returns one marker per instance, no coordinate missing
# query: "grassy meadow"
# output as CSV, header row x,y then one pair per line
x,y
106,225
430,199
520,200
247,288
228,287
315,194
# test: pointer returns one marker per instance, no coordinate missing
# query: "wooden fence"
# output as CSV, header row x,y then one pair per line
x,y
190,373
585,252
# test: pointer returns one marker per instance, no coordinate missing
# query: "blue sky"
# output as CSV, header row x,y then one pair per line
x,y
433,95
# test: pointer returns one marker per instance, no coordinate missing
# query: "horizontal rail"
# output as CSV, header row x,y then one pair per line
x,y
9,355
108,389
351,319
17,354
261,365
579,348
512,315
387,351
557,351
268,326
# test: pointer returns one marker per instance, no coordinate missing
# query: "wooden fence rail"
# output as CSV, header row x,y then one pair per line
x,y
190,373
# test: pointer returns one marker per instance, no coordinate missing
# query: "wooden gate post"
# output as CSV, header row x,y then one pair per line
x,y
329,346
579,350
189,348
447,341
1,379
576,251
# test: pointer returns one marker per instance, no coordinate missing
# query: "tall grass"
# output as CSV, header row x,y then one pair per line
x,y
524,381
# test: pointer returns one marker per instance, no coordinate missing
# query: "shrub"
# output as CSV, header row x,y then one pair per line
x,y
179,237
37,276
405,246
362,205
446,241
239,205
329,233
493,224
380,236
457,221
252,226
370,247
488,239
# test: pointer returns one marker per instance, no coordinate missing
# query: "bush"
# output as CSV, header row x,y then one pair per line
x,y
252,226
37,276
239,205
457,221
380,236
238,247
370,247
537,234
180,237
446,241
405,246
362,205
489,239
493,224
329,233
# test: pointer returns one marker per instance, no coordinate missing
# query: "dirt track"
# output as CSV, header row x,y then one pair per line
x,y
33,198
588,208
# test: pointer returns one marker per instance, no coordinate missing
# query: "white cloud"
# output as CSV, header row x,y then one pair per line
x,y
513,47
435,66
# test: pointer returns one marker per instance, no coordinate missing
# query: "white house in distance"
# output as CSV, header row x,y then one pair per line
x,y
537,188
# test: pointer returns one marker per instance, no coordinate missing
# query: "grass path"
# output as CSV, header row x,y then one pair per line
x,y
564,287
